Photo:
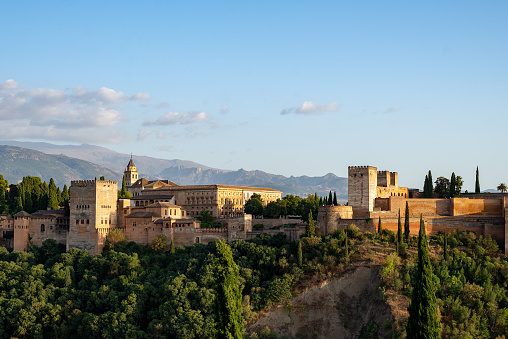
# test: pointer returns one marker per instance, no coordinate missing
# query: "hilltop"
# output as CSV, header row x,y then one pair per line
x,y
183,172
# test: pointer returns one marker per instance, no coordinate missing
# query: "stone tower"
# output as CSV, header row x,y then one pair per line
x,y
362,184
131,173
93,213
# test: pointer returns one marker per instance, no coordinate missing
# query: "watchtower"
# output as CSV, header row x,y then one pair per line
x,y
362,183
93,213
131,173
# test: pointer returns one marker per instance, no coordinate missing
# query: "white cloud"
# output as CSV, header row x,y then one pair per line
x,y
172,118
143,134
311,108
224,109
76,114
392,109
161,135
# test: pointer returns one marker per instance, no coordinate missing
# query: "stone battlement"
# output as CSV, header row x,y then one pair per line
x,y
87,183
358,167
213,230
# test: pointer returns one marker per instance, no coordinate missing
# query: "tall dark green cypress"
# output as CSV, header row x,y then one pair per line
x,y
477,185
228,303
406,224
172,247
445,247
379,227
399,235
300,254
423,322
309,229
453,185
426,186
330,199
335,199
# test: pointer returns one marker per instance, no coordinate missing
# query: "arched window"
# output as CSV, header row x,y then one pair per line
x,y
43,228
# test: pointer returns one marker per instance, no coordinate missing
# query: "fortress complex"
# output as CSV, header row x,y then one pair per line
x,y
157,207
374,194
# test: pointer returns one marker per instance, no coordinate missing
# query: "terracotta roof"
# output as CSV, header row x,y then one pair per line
x,y
153,197
200,187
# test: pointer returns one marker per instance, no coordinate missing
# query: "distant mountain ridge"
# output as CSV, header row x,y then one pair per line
x,y
183,172
17,162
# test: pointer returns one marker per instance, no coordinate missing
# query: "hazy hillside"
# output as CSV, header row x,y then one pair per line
x,y
182,172
16,162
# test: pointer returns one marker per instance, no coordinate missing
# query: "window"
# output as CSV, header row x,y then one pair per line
x,y
42,228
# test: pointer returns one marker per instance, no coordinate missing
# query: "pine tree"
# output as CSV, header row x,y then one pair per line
x,y
379,228
300,254
228,302
335,199
423,322
477,185
309,229
330,199
406,224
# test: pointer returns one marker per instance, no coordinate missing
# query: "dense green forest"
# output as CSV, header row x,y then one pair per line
x,y
133,291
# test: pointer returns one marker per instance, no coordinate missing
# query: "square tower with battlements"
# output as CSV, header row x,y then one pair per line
x,y
93,213
362,184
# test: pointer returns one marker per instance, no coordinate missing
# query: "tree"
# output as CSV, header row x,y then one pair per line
x,y
254,205
442,187
428,186
453,185
300,254
423,320
445,247
477,184
379,228
114,238
335,199
52,197
228,301
159,243
102,178
502,187
330,199
399,235
123,194
406,224
309,229
346,249
171,247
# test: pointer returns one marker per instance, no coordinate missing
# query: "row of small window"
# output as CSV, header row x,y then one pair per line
x,y
82,221
105,206
43,227
82,206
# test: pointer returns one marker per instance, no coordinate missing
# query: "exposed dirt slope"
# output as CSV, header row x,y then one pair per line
x,y
346,307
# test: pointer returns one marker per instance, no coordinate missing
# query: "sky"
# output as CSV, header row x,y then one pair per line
x,y
286,87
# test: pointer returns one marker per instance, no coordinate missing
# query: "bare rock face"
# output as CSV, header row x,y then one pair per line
x,y
345,307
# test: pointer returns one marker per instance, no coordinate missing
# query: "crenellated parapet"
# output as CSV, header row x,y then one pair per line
x,y
88,183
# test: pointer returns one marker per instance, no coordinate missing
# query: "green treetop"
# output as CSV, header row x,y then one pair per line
x,y
228,301
477,185
423,322
309,229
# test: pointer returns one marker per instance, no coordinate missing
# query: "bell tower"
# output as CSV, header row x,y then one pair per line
x,y
131,173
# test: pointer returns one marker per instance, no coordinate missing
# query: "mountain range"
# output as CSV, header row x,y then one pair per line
x,y
71,162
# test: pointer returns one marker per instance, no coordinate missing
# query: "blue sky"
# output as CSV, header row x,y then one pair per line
x,y
287,87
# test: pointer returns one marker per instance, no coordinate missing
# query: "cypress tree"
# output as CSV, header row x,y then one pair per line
x,y
172,247
300,254
52,197
477,185
423,322
379,228
335,199
445,247
346,249
228,303
406,224
309,229
453,185
330,199
426,186
399,236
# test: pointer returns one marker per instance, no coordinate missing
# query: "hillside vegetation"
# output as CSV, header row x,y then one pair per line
x,y
133,292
